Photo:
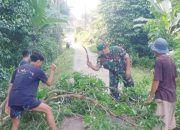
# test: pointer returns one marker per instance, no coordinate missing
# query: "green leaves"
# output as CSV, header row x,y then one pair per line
x,y
165,22
39,17
14,31
21,22
115,24
165,25
96,103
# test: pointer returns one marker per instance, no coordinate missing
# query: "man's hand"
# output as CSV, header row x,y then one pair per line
x,y
53,67
154,87
96,68
51,76
149,99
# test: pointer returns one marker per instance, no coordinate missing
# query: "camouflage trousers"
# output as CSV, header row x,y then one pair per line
x,y
114,79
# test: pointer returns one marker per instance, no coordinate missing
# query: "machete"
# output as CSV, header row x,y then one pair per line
x,y
86,53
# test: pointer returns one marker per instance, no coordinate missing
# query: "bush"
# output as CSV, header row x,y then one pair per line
x,y
93,48
143,62
4,79
83,37
15,31
48,47
96,104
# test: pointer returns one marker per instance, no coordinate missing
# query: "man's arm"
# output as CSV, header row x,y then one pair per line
x,y
9,90
154,87
94,67
51,76
128,65
7,109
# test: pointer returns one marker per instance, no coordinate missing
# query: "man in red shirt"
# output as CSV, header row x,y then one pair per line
x,y
164,85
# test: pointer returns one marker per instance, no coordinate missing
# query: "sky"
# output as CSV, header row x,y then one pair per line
x,y
79,7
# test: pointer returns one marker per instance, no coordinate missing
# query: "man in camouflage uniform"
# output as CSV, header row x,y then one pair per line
x,y
118,62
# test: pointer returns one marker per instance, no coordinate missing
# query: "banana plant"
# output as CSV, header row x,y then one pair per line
x,y
39,18
166,24
166,20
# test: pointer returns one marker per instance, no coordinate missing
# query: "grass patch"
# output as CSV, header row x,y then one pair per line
x,y
140,74
64,63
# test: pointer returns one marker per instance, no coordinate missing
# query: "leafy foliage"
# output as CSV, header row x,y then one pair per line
x,y
15,31
117,20
166,24
79,94
39,17
166,21
96,105
4,77
22,26
83,37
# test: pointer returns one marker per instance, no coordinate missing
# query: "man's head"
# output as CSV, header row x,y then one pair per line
x,y
25,54
103,48
160,46
37,59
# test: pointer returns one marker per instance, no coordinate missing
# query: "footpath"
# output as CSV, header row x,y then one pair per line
x,y
76,123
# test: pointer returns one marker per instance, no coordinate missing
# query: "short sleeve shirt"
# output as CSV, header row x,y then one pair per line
x,y
165,72
23,62
25,84
114,62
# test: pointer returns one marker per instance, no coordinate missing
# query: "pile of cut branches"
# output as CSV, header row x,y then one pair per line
x,y
86,96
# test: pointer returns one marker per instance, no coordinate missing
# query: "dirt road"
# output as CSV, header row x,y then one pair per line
x,y
76,123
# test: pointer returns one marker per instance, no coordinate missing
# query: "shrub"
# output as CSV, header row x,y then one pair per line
x,y
4,78
142,61
100,110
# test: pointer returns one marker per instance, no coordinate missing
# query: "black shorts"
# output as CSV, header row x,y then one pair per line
x,y
17,111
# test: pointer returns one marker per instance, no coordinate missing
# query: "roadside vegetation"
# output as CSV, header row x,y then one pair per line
x,y
145,21
39,26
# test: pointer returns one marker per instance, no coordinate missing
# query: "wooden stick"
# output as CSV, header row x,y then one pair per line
x,y
87,56
95,102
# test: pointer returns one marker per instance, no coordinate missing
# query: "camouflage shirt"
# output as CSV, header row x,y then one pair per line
x,y
114,61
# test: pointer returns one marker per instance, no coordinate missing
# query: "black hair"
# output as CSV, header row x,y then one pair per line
x,y
25,53
36,56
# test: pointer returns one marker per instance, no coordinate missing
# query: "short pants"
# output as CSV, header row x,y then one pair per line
x,y
17,111
166,110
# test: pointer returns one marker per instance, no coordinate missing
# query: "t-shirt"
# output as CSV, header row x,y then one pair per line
x,y
114,61
23,62
25,85
166,73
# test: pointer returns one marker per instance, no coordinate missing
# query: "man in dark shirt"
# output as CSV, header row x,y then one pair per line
x,y
26,58
22,96
117,61
164,85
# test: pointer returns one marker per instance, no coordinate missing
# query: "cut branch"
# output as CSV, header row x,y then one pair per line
x,y
106,109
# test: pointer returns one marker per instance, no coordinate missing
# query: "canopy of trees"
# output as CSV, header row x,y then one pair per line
x,y
32,25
